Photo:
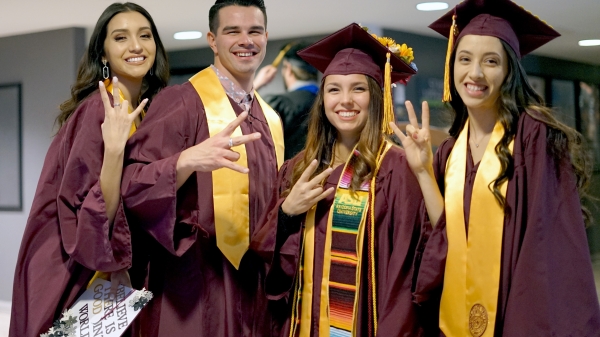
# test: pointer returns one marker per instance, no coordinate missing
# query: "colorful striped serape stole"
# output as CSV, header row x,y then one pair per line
x,y
348,213
347,230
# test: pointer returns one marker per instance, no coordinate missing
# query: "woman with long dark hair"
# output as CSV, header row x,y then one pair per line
x,y
509,252
342,237
70,233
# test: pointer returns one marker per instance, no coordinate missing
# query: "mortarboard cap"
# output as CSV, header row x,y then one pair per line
x,y
352,50
504,19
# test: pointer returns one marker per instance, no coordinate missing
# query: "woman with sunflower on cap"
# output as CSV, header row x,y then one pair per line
x,y
509,250
342,237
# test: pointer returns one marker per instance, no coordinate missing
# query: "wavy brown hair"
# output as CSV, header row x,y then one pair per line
x,y
322,135
517,96
89,72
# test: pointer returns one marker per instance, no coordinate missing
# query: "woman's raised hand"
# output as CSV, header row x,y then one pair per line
x,y
117,119
307,192
417,141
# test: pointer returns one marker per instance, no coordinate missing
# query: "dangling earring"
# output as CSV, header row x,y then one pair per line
x,y
151,72
105,71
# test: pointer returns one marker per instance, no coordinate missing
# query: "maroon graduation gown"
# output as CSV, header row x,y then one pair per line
x,y
67,236
546,280
197,291
398,227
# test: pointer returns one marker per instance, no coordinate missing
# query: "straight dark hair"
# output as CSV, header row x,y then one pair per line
x,y
89,72
517,96
213,17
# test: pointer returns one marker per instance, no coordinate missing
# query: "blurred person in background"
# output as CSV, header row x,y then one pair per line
x,y
300,82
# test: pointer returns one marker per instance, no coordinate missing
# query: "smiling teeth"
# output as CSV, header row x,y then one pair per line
x,y
475,87
135,59
347,113
244,54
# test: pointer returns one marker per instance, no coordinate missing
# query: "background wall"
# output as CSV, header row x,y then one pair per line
x,y
45,65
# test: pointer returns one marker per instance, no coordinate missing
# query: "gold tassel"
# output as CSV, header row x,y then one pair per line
x,y
281,55
373,275
371,257
388,105
453,32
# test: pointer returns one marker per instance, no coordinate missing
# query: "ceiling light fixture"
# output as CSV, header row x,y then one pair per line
x,y
588,43
432,6
189,35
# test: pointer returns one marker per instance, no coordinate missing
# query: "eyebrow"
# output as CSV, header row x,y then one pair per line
x,y
492,53
351,84
226,28
123,30
485,54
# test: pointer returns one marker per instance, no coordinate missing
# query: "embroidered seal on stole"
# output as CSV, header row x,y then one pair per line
x,y
478,320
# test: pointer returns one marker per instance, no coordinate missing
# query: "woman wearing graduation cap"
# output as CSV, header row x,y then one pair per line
x,y
342,237
509,250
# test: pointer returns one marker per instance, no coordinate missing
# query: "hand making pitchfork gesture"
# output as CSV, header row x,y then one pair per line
x,y
417,146
307,192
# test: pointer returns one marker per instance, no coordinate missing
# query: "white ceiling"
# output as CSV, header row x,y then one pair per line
x,y
574,19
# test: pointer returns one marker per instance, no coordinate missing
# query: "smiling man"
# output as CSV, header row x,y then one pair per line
x,y
201,170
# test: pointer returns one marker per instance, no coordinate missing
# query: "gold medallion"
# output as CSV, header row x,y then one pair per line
x,y
478,320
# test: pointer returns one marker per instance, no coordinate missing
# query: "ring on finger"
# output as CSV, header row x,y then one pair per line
x,y
230,143
116,104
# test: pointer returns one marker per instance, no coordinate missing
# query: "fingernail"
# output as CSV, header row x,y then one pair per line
x,y
415,136
101,83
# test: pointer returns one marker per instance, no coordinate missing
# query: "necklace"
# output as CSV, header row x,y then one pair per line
x,y
476,143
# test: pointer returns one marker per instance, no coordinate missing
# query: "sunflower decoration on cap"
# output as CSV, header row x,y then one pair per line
x,y
401,50
353,50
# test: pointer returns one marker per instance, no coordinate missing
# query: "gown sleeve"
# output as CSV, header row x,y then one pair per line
x,y
277,241
149,186
86,233
397,202
433,244
546,263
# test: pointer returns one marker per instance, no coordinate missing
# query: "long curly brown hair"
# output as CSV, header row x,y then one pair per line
x,y
517,96
322,135
89,72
